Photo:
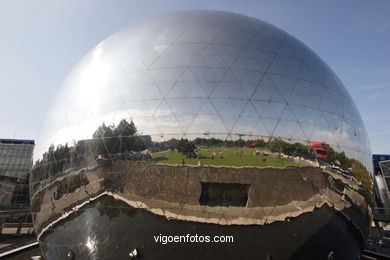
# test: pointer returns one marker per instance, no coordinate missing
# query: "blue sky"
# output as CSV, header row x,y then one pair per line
x,y
42,40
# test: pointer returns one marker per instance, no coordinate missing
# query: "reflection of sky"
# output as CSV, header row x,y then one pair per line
x,y
173,79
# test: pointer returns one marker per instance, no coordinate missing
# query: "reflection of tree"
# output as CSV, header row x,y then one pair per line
x,y
358,169
62,153
341,157
293,149
165,145
70,184
119,139
187,148
361,174
106,140
55,160
208,141
103,139
125,128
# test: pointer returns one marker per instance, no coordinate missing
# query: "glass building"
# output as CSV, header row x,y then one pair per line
x,y
206,121
376,159
15,164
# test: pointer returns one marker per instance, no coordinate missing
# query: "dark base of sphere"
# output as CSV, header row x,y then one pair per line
x,y
110,229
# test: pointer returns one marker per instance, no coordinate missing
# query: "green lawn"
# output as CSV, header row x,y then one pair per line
x,y
224,156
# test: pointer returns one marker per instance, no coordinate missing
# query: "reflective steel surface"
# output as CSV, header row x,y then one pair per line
x,y
202,120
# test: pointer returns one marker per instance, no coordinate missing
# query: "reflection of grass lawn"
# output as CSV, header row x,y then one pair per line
x,y
223,156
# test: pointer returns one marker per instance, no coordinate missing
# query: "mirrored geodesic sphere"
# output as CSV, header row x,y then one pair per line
x,y
207,74
193,116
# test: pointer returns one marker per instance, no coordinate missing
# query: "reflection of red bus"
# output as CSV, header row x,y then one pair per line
x,y
250,144
319,149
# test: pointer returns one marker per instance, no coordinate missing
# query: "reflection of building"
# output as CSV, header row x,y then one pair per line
x,y
212,81
381,163
376,158
15,163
